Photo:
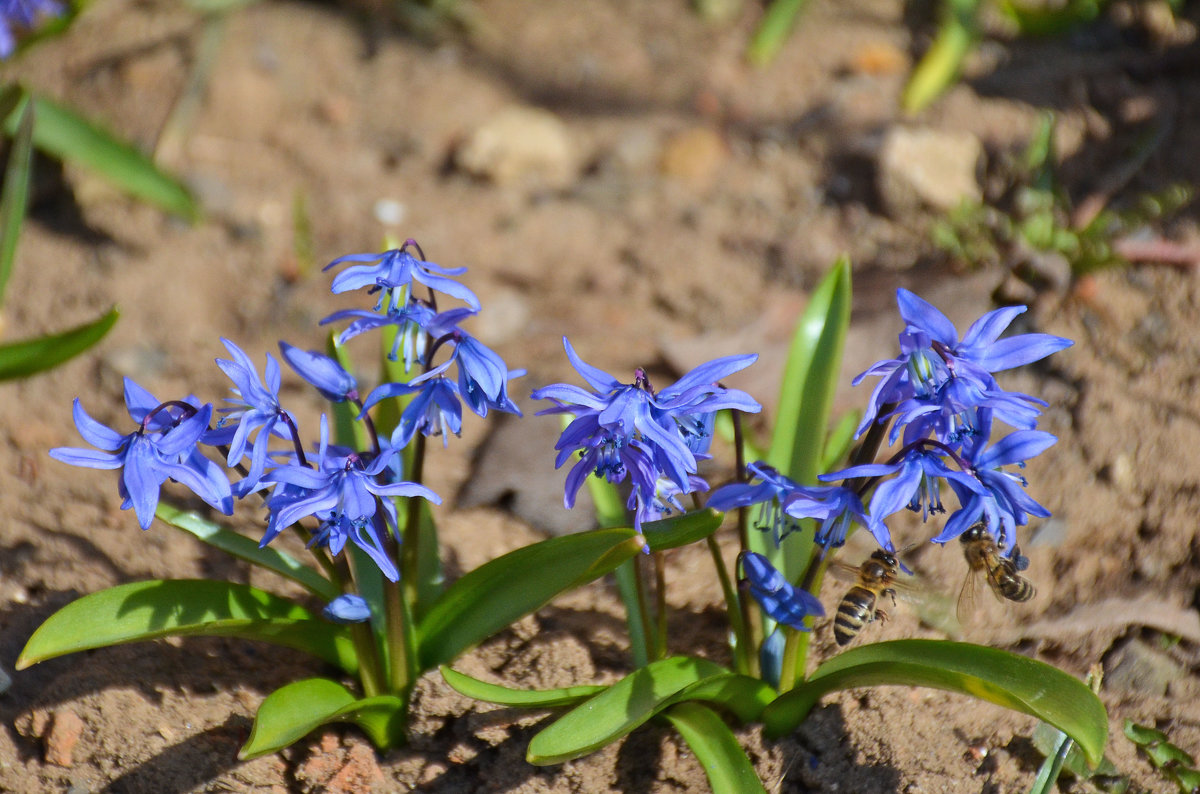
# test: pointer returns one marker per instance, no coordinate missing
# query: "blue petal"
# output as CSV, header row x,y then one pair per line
x,y
346,609
1018,350
597,378
94,433
921,314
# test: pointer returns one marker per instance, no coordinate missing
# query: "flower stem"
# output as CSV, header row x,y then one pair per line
x,y
745,659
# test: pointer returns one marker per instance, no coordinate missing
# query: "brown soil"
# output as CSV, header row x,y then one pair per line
x,y
698,201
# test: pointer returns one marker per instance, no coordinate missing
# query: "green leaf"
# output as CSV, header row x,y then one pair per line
x,y
671,533
942,62
15,196
507,588
806,400
1000,677
22,359
729,770
245,548
618,710
522,698
1045,738
292,711
65,135
774,30
186,607
839,441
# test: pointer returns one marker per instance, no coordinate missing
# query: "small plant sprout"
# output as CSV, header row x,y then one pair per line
x,y
939,403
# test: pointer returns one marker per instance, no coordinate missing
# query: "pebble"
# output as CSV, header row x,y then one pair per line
x,y
390,212
5,680
520,146
64,734
921,167
1138,667
694,157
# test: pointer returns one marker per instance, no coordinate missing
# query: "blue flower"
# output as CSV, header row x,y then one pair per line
x,y
663,501
482,376
343,492
613,457
999,497
256,407
920,472
436,409
25,15
346,609
772,491
835,507
617,416
164,447
322,372
396,270
782,601
932,354
412,322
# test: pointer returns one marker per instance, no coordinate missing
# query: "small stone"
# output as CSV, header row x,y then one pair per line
x,y
694,157
390,212
64,734
921,167
5,681
1138,667
520,146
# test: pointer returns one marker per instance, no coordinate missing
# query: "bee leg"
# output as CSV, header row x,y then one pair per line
x,y
881,616
891,594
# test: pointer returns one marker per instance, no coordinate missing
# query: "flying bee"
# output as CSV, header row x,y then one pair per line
x,y
875,580
984,561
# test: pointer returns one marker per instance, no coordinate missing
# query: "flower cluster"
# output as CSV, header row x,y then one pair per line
x,y
941,397
628,431
348,493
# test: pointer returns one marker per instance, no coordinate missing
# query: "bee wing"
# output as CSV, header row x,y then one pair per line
x,y
968,597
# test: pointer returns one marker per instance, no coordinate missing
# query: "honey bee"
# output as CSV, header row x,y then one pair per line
x,y
876,580
984,561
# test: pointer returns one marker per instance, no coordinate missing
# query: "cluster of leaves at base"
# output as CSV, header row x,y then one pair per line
x,y
1175,764
1030,220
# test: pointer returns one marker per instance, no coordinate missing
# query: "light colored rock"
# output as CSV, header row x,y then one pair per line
x,y
64,734
521,146
921,167
694,157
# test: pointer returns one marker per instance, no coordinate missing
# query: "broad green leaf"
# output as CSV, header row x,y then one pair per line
x,y
63,134
523,698
507,588
618,710
942,62
15,196
805,402
1000,677
773,30
293,711
729,770
840,438
22,359
186,607
245,548
671,533
743,696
